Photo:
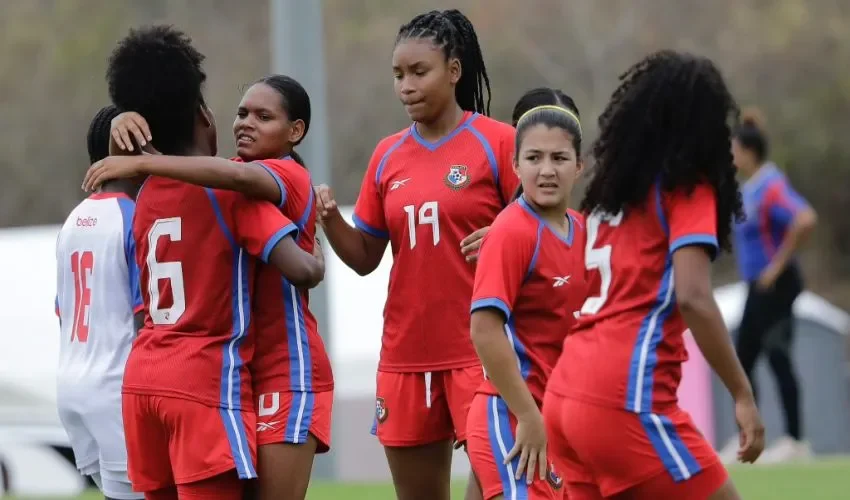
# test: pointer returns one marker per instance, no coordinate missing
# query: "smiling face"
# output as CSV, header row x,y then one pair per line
x,y
424,79
262,127
547,164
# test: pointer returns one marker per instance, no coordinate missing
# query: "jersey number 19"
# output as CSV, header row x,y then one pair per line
x,y
172,228
428,213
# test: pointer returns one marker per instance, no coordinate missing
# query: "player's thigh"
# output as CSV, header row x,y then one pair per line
x,y
284,469
147,441
422,471
411,410
491,432
82,439
459,386
107,427
712,483
229,440
224,486
290,417
116,484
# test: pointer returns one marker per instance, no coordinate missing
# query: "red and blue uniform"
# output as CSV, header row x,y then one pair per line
x,y
534,276
187,374
611,405
425,197
292,373
770,204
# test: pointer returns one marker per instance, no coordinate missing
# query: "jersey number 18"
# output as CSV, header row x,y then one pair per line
x,y
172,228
82,264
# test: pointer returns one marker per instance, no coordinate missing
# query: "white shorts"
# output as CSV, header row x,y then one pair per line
x,y
95,428
113,484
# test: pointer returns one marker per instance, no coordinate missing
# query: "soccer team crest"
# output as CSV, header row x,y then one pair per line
x,y
458,177
381,411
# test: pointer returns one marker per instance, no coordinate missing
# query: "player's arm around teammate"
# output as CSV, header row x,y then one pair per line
x,y
527,285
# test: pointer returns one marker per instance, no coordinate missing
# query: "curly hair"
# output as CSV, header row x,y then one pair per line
x,y
97,138
455,34
156,72
669,121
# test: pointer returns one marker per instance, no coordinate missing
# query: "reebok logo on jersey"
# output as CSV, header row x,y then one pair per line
x,y
267,426
561,281
397,184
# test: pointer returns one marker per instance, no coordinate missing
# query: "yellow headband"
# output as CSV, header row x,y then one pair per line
x,y
553,108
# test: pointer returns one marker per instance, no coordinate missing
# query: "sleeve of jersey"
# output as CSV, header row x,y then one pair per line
x,y
277,169
369,208
504,261
783,202
508,180
128,210
692,219
259,226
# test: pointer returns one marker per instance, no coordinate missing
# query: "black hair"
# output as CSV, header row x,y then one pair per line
x,y
545,96
98,137
295,102
750,133
454,33
668,122
156,72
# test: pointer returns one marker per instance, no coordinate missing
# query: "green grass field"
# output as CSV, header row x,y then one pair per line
x,y
821,480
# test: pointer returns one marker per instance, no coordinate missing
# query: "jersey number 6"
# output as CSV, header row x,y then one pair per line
x,y
429,213
172,228
598,258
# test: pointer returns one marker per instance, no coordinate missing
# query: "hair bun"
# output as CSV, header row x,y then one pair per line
x,y
753,117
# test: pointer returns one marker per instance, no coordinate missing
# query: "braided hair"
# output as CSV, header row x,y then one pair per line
x,y
98,137
454,34
668,122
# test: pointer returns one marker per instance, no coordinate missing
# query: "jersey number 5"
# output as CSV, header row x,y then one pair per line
x,y
598,258
172,228
428,213
82,264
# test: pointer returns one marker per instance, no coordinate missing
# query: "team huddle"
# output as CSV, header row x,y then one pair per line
x,y
545,341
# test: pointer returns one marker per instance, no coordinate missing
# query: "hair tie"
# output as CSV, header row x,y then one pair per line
x,y
552,107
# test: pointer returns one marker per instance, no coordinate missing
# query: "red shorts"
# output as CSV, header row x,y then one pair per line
x,y
413,409
617,450
175,441
490,435
287,417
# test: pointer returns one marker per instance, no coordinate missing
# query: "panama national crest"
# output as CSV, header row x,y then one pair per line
x,y
457,178
381,411
555,480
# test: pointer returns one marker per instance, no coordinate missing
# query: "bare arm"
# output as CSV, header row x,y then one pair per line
x,y
695,298
801,227
359,250
138,321
303,269
499,361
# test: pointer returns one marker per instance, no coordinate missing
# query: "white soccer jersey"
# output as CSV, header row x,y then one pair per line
x,y
97,296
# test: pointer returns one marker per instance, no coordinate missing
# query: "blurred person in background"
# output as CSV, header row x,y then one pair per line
x,y
529,281
100,309
778,221
427,191
659,208
291,371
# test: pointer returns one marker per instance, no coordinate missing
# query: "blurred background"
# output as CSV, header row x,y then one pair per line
x,y
788,57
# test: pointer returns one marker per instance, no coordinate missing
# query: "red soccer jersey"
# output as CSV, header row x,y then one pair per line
x,y
535,277
194,253
290,354
627,348
426,197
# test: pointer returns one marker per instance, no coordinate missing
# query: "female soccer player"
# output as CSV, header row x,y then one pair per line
x,y
778,221
290,370
186,375
528,282
660,205
426,188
